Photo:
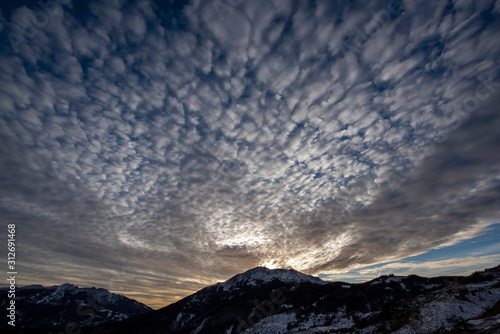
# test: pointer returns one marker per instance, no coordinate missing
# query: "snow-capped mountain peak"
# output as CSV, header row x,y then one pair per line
x,y
64,288
259,275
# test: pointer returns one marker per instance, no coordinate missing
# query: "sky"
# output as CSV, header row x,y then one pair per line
x,y
155,147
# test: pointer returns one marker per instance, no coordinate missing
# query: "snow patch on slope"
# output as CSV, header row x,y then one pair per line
x,y
447,310
275,324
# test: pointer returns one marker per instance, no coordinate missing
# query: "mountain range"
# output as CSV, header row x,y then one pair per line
x,y
267,301
66,308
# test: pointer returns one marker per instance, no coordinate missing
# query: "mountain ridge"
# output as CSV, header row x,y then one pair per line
x,y
58,306
387,304
262,301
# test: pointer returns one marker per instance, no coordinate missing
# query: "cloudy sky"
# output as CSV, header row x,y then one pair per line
x,y
155,147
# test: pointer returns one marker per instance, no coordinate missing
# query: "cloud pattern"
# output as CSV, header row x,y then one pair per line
x,y
177,143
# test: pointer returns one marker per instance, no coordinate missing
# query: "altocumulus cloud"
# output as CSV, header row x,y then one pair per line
x,y
168,145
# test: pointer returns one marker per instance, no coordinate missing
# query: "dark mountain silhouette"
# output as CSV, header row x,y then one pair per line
x,y
285,301
67,308
265,301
